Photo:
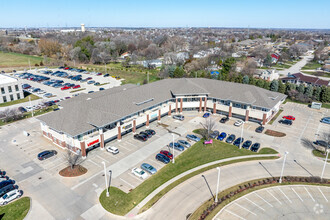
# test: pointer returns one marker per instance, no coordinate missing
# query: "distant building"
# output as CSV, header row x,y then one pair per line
x,y
124,55
275,57
268,75
83,28
10,89
299,78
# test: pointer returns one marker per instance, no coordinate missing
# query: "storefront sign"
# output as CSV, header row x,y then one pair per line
x,y
153,115
127,126
93,142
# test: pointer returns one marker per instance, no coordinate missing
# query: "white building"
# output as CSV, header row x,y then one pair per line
x,y
10,89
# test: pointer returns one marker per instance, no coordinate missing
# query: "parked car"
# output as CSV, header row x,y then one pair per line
x,y
289,117
285,122
230,139
6,183
193,137
260,129
247,144
177,146
90,91
238,141
167,154
139,173
141,137
97,84
89,78
76,87
184,143
26,86
178,117
162,158
65,87
224,119
149,135
255,147
148,168
10,196
101,89
3,178
222,136
22,109
112,149
206,115
91,82
48,95
153,132
238,123
326,120
214,134
106,75
46,154
321,143
6,189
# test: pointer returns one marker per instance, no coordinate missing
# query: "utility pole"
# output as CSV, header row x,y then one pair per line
x,y
105,178
173,147
31,105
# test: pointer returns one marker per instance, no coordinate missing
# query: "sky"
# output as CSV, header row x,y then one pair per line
x,y
170,13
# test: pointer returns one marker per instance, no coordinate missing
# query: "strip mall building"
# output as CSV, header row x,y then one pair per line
x,y
94,119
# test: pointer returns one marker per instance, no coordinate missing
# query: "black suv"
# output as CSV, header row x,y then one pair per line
x,y
285,121
141,137
150,131
224,119
260,129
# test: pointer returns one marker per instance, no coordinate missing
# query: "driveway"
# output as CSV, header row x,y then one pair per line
x,y
297,66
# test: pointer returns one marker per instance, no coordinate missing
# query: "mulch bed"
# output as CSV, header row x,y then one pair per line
x,y
274,133
78,170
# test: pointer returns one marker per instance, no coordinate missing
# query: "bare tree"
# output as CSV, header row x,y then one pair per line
x,y
323,143
73,159
208,126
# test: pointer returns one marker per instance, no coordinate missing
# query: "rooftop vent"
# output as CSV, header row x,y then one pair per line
x,y
146,101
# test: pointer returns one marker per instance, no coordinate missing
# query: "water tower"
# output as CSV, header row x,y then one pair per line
x,y
82,27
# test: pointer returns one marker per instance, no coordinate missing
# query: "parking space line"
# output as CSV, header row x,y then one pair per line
x,y
254,204
125,147
245,208
135,177
297,194
264,200
274,197
101,158
234,214
322,194
309,194
303,131
127,183
93,162
51,168
284,195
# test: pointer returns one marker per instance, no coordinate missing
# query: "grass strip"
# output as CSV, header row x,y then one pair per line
x,y
16,210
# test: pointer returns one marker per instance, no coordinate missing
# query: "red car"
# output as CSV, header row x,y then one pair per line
x,y
99,74
88,78
66,68
167,154
76,87
289,117
65,88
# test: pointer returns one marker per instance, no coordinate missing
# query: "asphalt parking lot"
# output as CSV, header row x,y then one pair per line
x,y
280,202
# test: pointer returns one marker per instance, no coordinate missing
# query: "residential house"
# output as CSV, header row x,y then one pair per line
x,y
299,78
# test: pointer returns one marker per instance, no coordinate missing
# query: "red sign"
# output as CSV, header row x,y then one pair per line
x,y
93,142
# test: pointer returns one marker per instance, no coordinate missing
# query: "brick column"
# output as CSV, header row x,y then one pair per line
x,y
205,100
200,104
230,109
101,138
147,123
181,105
159,114
214,108
83,149
169,110
264,119
119,132
247,113
176,105
134,126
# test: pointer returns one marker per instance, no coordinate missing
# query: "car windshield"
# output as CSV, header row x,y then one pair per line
x,y
5,196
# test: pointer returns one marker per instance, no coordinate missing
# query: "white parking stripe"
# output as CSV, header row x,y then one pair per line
x,y
245,208
102,158
297,194
234,214
136,177
254,204
125,147
284,194
309,194
93,162
274,197
127,183
263,200
322,194
302,133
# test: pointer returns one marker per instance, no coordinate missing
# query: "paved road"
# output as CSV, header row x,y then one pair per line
x,y
297,66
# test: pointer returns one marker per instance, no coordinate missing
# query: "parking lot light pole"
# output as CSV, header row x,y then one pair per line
x,y
216,194
173,147
240,146
286,153
31,105
325,162
105,178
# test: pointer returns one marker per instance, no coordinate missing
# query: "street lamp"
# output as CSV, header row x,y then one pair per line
x,y
173,147
216,194
105,178
240,146
286,153
325,162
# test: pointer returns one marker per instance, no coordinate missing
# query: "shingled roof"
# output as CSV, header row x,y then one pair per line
x,y
307,79
87,111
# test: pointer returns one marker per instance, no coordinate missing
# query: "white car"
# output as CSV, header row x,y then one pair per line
x,y
239,122
14,194
139,173
41,92
112,150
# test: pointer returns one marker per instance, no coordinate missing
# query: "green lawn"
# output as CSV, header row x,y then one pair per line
x,y
121,203
311,66
318,153
16,210
17,59
26,99
322,74
275,117
284,66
